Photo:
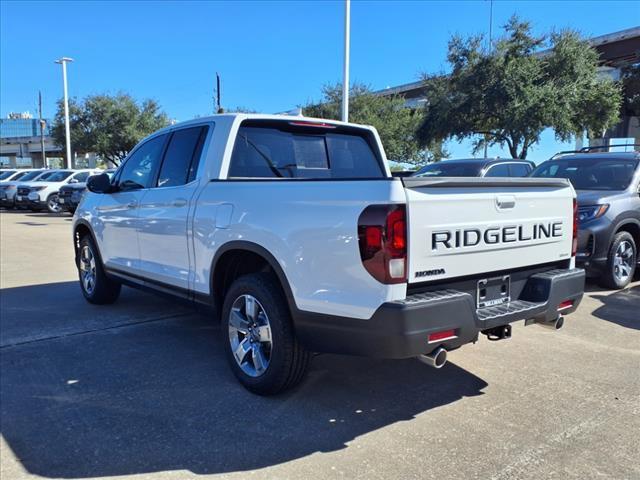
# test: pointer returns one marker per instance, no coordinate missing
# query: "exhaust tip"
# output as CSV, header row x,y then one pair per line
x,y
554,324
435,359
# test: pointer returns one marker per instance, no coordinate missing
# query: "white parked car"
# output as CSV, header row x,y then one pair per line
x,y
43,192
9,187
295,232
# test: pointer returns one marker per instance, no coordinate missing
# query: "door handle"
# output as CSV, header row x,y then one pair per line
x,y
179,202
132,204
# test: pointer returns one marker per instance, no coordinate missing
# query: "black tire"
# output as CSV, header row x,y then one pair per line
x,y
105,290
53,200
288,360
611,277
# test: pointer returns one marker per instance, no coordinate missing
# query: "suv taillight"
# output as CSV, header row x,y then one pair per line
x,y
382,238
574,243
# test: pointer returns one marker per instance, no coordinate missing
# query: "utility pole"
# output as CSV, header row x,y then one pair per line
x,y
63,61
345,74
489,49
490,25
216,98
42,125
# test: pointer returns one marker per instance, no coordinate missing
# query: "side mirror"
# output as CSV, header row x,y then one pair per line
x,y
99,183
73,180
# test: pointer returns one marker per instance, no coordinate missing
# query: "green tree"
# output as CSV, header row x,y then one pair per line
x,y
396,125
509,95
109,126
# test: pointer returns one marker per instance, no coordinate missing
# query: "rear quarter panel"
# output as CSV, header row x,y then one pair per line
x,y
310,227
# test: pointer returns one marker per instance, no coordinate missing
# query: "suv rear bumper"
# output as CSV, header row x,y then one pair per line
x,y
401,329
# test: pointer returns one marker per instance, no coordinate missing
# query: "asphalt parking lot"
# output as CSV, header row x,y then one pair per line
x,y
141,389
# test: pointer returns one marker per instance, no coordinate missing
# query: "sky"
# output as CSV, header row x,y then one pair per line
x,y
272,56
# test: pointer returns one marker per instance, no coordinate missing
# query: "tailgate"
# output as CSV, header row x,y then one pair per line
x,y
466,226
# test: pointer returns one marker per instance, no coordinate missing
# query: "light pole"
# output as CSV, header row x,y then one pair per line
x,y
63,61
345,75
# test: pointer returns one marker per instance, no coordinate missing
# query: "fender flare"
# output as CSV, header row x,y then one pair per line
x,y
622,223
264,253
86,224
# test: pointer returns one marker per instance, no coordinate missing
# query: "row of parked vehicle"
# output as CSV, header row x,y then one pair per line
x,y
55,190
607,183
608,201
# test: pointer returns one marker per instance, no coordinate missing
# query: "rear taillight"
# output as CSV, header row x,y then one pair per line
x,y
574,244
382,238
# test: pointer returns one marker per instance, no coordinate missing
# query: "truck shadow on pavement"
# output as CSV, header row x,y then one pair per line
x,y
622,307
157,395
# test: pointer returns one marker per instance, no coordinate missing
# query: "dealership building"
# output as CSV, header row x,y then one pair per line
x,y
20,142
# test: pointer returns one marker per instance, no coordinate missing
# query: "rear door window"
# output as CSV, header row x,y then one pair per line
x,y
181,159
297,150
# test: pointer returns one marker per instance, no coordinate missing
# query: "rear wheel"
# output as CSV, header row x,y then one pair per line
x,y
258,336
95,285
52,204
621,261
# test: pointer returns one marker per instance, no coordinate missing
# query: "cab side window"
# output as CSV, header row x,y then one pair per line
x,y
140,167
181,160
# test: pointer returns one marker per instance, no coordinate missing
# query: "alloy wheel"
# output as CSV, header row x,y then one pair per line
x,y
87,269
623,261
53,204
250,335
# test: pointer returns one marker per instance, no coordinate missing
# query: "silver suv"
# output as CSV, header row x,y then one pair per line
x,y
608,187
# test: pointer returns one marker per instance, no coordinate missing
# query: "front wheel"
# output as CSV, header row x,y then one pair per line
x,y
258,336
96,287
52,204
621,261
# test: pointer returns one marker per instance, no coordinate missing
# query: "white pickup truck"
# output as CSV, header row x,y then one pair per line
x,y
294,232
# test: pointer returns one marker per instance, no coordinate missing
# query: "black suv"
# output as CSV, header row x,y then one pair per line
x,y
477,167
608,188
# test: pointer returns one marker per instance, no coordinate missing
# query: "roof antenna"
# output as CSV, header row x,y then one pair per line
x,y
217,107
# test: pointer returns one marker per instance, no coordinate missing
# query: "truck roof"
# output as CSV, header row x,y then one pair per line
x,y
230,117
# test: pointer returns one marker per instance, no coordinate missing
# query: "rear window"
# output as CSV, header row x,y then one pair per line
x,y
6,174
283,150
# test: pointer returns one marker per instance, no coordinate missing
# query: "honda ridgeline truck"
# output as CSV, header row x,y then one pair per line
x,y
294,231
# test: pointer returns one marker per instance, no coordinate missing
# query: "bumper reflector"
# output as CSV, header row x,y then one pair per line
x,y
564,305
443,335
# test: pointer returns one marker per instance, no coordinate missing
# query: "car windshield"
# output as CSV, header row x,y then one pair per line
x,y
6,174
30,175
450,169
591,173
57,176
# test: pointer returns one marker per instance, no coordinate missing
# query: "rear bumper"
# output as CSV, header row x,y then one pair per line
x,y
401,329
